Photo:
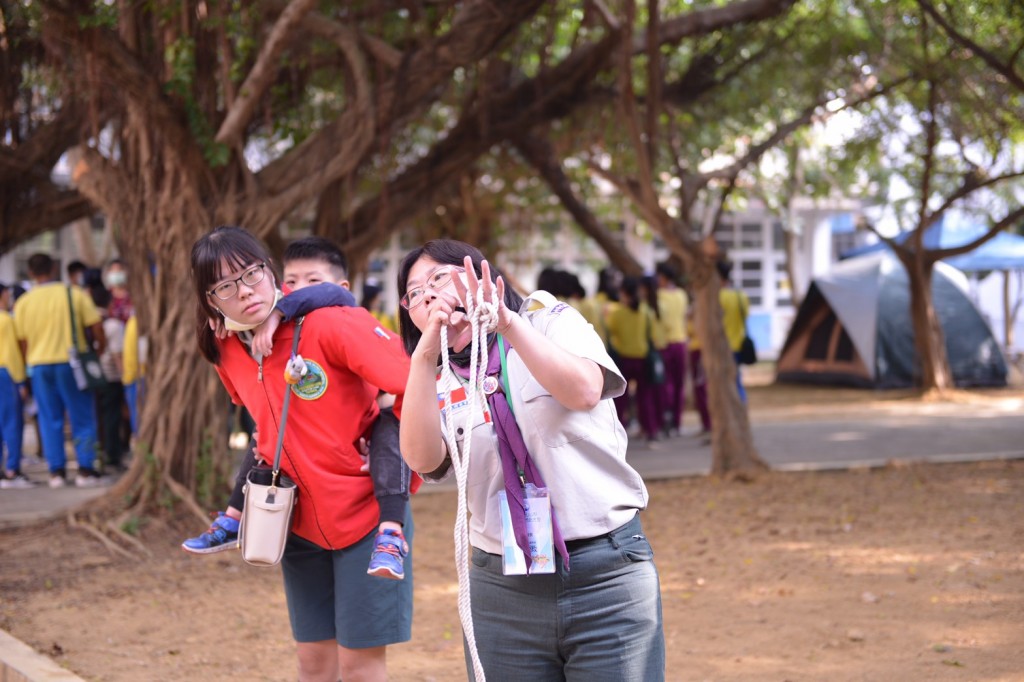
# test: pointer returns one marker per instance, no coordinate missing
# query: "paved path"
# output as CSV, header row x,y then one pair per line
x,y
839,442
787,439
819,439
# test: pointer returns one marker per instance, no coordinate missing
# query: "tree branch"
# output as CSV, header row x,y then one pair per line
x,y
1011,219
48,209
541,155
971,184
123,69
931,140
262,72
44,147
705,21
1005,70
342,146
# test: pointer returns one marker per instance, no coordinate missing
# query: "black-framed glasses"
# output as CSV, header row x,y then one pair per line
x,y
250,278
437,278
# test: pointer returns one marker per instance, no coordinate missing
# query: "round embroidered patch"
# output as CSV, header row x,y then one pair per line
x,y
314,384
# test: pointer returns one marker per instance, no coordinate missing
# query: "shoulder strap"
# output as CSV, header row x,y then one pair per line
x,y
74,327
743,308
284,409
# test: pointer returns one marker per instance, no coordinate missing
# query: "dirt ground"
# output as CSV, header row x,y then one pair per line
x,y
904,573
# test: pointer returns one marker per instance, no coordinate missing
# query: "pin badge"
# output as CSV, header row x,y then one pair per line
x,y
490,385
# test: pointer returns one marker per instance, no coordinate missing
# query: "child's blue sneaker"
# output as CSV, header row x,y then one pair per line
x,y
222,535
388,558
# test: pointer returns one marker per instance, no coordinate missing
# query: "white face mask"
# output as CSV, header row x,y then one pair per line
x,y
232,325
116,279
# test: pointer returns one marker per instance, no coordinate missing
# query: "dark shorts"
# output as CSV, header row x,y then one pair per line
x,y
330,596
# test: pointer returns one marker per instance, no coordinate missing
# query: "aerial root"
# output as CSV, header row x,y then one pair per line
x,y
90,528
182,493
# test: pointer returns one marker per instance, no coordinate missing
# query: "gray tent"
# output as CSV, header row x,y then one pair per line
x,y
854,328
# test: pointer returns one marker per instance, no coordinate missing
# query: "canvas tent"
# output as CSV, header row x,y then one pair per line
x,y
854,328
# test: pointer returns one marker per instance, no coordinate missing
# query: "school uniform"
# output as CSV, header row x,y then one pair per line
x,y
529,626
12,377
672,309
42,318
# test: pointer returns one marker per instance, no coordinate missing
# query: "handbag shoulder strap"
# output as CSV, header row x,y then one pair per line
x,y
74,327
743,308
284,408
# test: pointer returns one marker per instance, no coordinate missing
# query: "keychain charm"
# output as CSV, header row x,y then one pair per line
x,y
295,370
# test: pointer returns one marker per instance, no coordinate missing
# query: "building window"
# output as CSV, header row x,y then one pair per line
x,y
778,237
725,235
783,288
747,276
751,236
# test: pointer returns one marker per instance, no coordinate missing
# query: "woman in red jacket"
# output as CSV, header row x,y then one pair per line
x,y
341,618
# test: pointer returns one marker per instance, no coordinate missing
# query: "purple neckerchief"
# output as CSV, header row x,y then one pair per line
x,y
513,452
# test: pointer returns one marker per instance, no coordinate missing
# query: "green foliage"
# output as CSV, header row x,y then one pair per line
x,y
104,15
132,525
978,118
180,57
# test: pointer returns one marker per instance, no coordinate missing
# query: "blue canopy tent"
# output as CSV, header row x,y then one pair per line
x,y
1005,251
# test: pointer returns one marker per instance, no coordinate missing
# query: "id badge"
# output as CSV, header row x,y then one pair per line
x,y
538,531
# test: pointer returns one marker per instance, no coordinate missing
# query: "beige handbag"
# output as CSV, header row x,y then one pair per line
x,y
269,500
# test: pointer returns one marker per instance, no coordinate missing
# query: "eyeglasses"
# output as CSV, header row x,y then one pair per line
x,y
249,278
435,280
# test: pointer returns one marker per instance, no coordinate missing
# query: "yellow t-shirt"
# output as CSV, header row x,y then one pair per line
x,y
386,321
673,305
42,319
735,306
628,330
10,352
130,370
590,311
691,331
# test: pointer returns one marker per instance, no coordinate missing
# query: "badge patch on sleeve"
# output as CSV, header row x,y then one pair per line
x,y
313,384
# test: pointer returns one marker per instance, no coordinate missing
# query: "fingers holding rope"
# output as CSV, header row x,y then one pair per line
x,y
486,294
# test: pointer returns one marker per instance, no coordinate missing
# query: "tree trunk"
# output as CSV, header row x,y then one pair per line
x,y
732,442
929,339
795,291
1009,312
182,442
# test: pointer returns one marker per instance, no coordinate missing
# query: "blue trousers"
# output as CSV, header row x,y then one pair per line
x,y
133,394
600,621
56,392
12,421
739,378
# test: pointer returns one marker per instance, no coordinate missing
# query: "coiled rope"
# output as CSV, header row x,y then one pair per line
x,y
483,319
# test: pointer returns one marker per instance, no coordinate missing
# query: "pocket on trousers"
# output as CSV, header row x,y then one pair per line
x,y
480,558
636,549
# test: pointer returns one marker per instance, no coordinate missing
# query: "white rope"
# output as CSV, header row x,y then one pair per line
x,y
483,318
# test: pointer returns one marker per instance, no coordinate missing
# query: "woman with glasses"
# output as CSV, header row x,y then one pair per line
x,y
341,617
591,610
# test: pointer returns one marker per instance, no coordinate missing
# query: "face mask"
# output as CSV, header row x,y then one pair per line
x,y
232,325
116,279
